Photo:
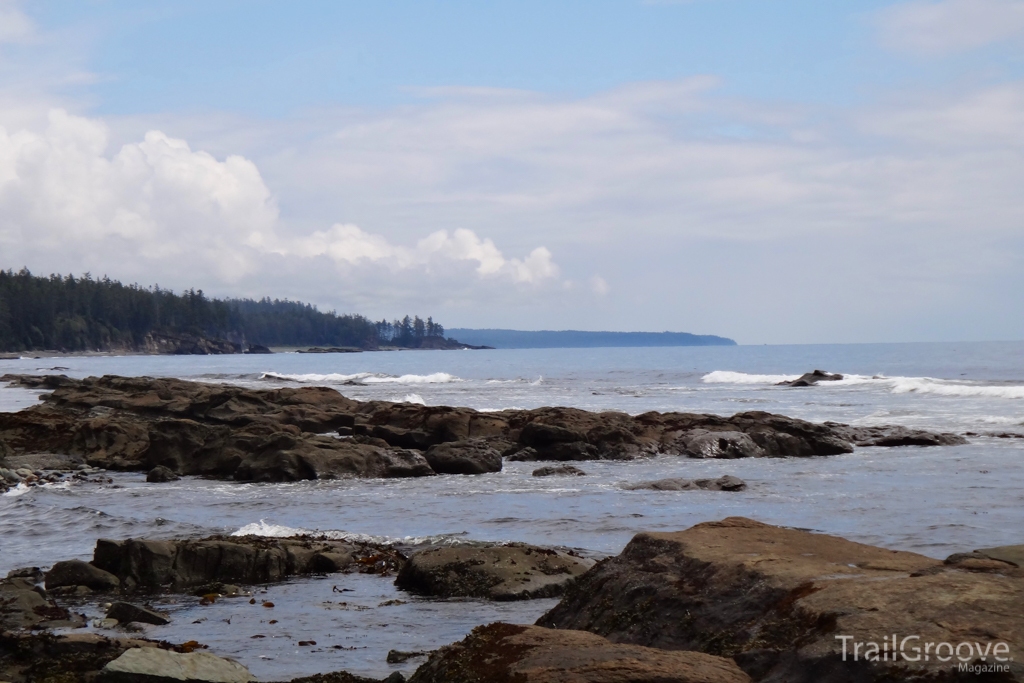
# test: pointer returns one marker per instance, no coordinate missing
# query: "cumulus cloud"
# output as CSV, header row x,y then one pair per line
x,y
927,27
160,209
348,244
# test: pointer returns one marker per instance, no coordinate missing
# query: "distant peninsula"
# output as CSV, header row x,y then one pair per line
x,y
70,314
552,339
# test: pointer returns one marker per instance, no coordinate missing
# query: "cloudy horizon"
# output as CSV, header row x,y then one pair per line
x,y
769,172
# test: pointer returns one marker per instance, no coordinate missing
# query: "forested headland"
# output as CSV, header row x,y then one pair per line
x,y
67,313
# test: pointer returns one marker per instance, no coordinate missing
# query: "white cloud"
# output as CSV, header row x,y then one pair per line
x,y
927,27
599,286
174,213
348,244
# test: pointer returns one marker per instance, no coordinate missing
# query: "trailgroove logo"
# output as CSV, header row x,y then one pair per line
x,y
969,656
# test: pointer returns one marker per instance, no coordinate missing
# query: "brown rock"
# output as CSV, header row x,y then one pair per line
x,y
514,571
559,471
724,483
506,653
146,564
79,573
471,456
778,600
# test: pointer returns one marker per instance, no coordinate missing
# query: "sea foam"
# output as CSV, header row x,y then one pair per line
x,y
896,385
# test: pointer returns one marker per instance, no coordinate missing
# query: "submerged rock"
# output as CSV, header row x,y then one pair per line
x,y
559,471
161,475
514,571
150,664
725,483
783,602
507,653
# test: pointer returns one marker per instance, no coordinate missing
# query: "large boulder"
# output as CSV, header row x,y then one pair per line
x,y
154,665
784,603
72,573
701,443
514,571
319,457
472,456
507,653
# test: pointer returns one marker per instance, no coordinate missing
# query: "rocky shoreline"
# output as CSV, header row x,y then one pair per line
x,y
728,601
291,434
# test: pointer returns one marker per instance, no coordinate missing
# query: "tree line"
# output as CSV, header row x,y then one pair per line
x,y
68,313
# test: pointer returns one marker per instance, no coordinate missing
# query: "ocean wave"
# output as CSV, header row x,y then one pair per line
x,y
728,377
364,378
270,530
414,398
896,385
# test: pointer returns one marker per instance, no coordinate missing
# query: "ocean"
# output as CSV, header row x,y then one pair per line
x,y
935,501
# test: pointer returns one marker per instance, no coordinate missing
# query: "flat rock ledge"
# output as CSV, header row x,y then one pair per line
x,y
140,564
172,427
507,653
513,571
783,603
153,665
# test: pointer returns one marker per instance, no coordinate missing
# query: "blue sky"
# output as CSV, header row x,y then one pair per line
x,y
715,166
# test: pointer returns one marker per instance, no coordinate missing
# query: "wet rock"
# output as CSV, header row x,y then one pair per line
x,y
472,456
559,471
775,599
5,452
725,483
79,573
142,665
700,443
894,436
514,571
126,613
46,658
147,564
258,348
191,428
161,475
809,379
23,605
398,656
506,653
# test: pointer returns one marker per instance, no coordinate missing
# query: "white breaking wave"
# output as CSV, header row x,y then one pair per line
x,y
414,398
942,387
364,378
263,528
727,377
896,385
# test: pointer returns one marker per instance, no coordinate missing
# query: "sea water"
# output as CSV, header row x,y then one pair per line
x,y
934,501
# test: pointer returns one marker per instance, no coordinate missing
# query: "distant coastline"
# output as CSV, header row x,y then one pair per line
x,y
554,339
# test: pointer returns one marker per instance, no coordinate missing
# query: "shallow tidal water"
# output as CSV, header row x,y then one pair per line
x,y
935,501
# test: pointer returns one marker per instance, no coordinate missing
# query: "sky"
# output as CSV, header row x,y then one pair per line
x,y
793,171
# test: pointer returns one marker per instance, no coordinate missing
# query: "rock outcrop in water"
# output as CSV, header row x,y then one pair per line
x,y
783,603
507,653
140,564
512,571
809,379
291,434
